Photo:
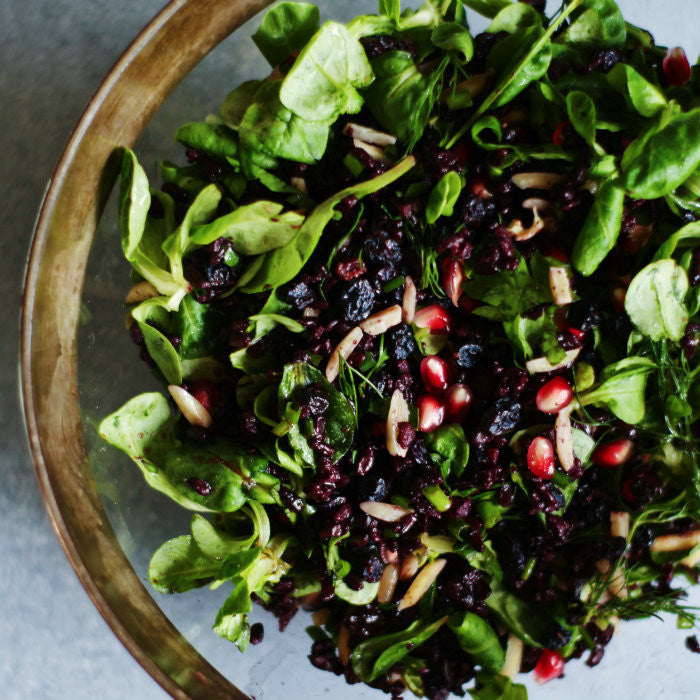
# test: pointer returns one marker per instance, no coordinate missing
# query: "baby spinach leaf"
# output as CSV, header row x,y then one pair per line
x,y
584,445
237,564
283,264
655,300
660,160
237,102
178,565
322,84
214,139
598,23
232,621
622,388
487,8
689,236
365,595
582,115
270,127
477,638
161,350
443,197
644,96
516,614
513,17
374,657
449,448
534,336
600,230
134,202
403,94
187,178
497,687
252,228
216,543
371,25
197,326
286,28
452,36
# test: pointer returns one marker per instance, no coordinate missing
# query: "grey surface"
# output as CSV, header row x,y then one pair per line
x,y
53,643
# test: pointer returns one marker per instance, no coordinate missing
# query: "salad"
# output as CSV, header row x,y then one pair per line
x,y
427,308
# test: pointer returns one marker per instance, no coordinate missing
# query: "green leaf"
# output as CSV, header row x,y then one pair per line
x,y
487,8
155,311
216,543
513,17
178,566
286,28
452,36
443,197
321,84
366,594
532,337
655,300
582,115
687,236
237,102
197,325
645,97
449,447
583,443
600,230
237,564
497,687
214,139
134,202
662,159
597,23
231,621
477,638
516,614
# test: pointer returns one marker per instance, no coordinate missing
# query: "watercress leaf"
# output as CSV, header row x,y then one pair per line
x,y
662,159
487,8
322,84
252,228
449,445
655,300
155,311
403,94
237,102
178,565
283,264
452,36
214,139
477,638
443,197
197,326
644,96
517,615
600,229
597,23
286,28
270,127
513,17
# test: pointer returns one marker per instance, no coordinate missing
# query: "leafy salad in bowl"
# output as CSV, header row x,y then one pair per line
x,y
426,309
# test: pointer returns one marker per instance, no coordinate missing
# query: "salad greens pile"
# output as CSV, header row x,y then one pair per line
x,y
520,209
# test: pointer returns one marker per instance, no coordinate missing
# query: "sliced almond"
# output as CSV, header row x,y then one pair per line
x,y
564,438
369,135
409,567
518,231
514,656
542,364
310,312
422,582
382,321
619,523
387,512
537,203
676,543
398,413
344,645
371,150
560,286
299,184
408,304
191,408
140,292
387,583
344,349
537,180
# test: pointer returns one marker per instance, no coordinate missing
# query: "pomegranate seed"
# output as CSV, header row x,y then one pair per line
x,y
540,458
558,137
557,254
554,395
435,373
431,412
458,399
613,454
433,317
575,332
479,189
452,278
206,393
676,67
550,665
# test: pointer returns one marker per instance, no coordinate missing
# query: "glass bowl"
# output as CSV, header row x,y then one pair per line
x,y
78,364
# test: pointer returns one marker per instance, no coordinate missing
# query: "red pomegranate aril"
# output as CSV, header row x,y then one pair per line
x,y
452,278
554,395
431,413
550,665
613,454
458,399
576,332
433,317
676,67
558,137
435,373
206,393
540,458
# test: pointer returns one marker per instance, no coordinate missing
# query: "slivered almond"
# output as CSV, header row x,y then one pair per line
x,y
191,408
676,543
476,84
564,438
518,231
371,150
310,312
422,582
382,321
536,203
514,656
408,304
299,184
409,567
398,413
387,512
619,523
692,560
344,645
369,135
387,583
560,286
537,180
140,292
542,364
344,349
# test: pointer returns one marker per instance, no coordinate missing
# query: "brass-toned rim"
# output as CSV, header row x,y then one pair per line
x,y
156,61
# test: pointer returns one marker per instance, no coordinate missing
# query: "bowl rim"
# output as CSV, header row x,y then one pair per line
x,y
52,291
